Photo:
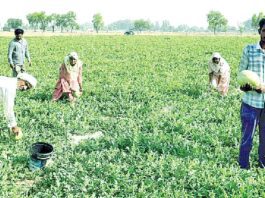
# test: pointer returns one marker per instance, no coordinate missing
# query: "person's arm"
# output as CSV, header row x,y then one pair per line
x,y
210,71
27,53
10,52
244,60
80,78
8,104
243,66
63,72
210,77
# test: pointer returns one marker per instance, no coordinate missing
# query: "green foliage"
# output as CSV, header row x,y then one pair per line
x,y
34,19
255,20
14,23
98,22
42,21
71,20
165,133
67,20
53,17
141,25
241,28
166,27
39,20
121,25
216,21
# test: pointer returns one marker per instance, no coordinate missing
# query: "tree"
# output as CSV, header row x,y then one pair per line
x,y
86,27
216,21
43,20
14,23
182,28
248,25
71,20
53,18
141,25
61,21
166,27
241,28
34,20
97,22
255,20
156,26
121,25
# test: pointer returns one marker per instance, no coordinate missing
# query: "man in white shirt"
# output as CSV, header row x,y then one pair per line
x,y
8,87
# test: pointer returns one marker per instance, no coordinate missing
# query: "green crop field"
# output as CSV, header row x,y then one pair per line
x,y
165,133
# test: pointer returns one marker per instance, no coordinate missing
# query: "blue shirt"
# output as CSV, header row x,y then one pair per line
x,y
17,51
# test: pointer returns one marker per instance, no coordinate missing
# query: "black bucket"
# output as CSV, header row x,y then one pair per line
x,y
40,153
41,150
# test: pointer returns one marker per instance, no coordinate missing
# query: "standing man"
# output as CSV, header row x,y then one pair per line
x,y
252,108
17,51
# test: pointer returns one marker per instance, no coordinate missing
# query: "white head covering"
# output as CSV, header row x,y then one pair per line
x,y
73,55
29,78
69,67
70,55
221,67
216,55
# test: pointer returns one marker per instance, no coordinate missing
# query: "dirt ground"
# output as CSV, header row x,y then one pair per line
x,y
29,33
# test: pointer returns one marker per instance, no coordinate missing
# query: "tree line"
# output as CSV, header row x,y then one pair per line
x,y
67,22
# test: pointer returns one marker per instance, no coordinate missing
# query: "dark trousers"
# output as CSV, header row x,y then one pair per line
x,y
251,117
17,69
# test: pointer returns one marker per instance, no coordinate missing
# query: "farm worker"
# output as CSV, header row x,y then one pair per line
x,y
252,107
17,51
219,73
70,78
8,87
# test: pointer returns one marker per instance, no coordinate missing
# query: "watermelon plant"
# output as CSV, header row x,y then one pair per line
x,y
165,133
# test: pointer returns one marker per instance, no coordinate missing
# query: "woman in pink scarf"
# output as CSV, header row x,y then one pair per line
x,y
70,78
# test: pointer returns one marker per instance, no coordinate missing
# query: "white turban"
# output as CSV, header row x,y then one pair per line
x,y
29,78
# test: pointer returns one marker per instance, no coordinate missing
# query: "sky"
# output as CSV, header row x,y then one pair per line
x,y
177,12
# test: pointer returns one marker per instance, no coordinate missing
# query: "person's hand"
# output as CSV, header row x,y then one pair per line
x,y
258,90
15,129
17,132
262,88
246,88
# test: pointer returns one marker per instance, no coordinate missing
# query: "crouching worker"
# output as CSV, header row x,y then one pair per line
x,y
219,73
70,79
8,87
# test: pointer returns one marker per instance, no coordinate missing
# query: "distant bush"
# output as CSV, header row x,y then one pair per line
x,y
6,29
